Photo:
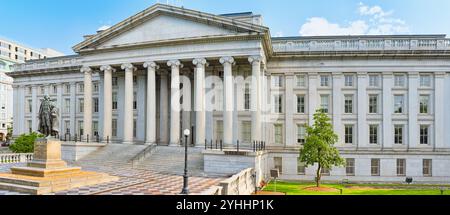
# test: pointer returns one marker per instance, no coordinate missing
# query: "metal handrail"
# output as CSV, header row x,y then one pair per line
x,y
142,154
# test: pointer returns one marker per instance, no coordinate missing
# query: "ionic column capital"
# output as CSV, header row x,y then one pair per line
x,y
256,59
175,63
128,67
227,60
200,62
151,65
86,69
107,68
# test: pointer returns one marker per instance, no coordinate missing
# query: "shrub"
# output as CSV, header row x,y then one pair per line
x,y
25,143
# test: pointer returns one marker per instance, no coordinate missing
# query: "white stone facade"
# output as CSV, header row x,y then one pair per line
x,y
124,86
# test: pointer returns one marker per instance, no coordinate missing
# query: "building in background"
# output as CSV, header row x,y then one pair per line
x,y
387,96
12,53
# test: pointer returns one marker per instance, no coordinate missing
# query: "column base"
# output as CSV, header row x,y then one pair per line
x,y
174,145
127,142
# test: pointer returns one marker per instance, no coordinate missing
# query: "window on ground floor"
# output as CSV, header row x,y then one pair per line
x,y
246,134
278,134
348,134
301,134
373,134
350,166
219,130
114,127
427,167
424,134
325,171
278,164
301,167
375,167
401,167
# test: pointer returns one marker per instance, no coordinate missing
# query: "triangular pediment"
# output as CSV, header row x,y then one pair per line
x,y
166,23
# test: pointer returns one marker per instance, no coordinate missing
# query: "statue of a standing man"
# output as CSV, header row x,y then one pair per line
x,y
48,117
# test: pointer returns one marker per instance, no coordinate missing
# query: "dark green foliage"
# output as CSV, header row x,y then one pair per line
x,y
25,143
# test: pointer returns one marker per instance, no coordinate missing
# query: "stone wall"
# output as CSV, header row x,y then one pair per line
x,y
72,151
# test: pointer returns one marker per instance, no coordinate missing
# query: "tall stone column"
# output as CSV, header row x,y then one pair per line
x,y
337,106
199,94
175,106
388,106
150,137
439,111
107,101
228,104
363,137
128,104
87,121
290,127
413,109
255,61
164,109
35,108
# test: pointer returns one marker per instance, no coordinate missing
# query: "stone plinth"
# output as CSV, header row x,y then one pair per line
x,y
48,173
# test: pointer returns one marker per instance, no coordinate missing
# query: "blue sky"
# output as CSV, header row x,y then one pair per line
x,y
60,24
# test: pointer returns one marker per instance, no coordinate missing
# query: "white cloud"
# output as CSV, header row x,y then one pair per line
x,y
373,20
321,26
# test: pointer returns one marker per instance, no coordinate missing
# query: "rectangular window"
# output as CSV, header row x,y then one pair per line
x,y
278,164
247,97
375,167
374,81
373,134
325,80
373,103
301,81
55,89
30,106
114,100
95,87
67,126
325,103
349,80
348,103
278,134
277,81
81,88
42,90
399,80
134,79
66,88
348,134
246,131
325,171
424,104
114,127
134,128
114,81
95,105
427,167
300,104
135,101
278,101
425,80
401,167
301,167
30,126
80,105
219,129
94,129
398,134
424,134
350,166
66,105
80,128
301,134
399,101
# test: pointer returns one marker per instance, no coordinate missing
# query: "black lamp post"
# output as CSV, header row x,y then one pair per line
x,y
185,190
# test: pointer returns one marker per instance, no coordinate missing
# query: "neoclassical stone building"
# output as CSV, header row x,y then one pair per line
x,y
167,69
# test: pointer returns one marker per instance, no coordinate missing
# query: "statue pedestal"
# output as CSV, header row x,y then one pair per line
x,y
48,173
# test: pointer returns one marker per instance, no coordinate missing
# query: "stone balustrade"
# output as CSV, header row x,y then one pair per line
x,y
15,158
357,44
242,183
57,62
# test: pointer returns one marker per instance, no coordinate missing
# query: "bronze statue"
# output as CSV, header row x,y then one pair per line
x,y
48,117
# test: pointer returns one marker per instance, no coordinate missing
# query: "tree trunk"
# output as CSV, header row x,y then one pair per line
x,y
318,176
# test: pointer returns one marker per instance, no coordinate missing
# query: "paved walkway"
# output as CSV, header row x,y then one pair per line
x,y
140,181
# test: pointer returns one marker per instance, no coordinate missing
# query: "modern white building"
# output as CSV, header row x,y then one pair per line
x,y
11,53
167,69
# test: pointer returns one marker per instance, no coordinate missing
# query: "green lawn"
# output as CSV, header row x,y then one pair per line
x,y
298,188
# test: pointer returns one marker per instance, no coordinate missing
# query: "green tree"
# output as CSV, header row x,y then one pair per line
x,y
319,145
25,143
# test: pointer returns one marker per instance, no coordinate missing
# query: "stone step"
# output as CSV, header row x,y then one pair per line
x,y
24,188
